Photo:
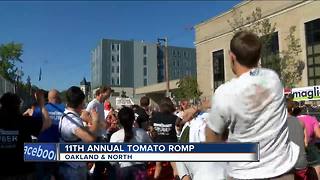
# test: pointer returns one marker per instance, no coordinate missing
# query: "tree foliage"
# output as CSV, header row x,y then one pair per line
x,y
286,63
10,54
187,88
292,67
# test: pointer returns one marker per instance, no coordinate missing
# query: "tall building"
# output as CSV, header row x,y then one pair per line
x,y
182,62
212,40
145,64
111,63
133,64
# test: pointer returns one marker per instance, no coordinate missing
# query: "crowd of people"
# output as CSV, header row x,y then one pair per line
x,y
252,107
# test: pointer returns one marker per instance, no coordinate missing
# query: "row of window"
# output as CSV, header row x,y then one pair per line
x,y
178,63
177,53
144,61
115,57
113,69
312,30
313,51
115,81
178,73
145,82
144,50
115,47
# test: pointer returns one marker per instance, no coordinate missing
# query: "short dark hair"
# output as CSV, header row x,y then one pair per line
x,y
246,46
293,107
97,93
104,89
74,97
144,101
166,105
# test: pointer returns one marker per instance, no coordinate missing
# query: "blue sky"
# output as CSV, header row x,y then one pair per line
x,y
58,36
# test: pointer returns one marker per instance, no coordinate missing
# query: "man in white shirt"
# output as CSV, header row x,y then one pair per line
x,y
102,94
251,108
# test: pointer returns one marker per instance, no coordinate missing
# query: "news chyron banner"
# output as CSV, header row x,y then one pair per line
x,y
141,152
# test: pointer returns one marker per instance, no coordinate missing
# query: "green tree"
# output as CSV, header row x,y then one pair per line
x,y
286,63
10,54
292,67
187,88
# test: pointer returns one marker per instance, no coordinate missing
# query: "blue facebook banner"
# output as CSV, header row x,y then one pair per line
x,y
163,148
40,152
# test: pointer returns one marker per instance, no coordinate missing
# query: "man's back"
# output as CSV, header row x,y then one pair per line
x,y
55,112
252,107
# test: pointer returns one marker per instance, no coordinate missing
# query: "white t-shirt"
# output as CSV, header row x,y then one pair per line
x,y
252,108
95,104
67,126
197,128
139,136
200,170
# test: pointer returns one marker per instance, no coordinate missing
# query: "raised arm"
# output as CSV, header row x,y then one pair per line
x,y
46,120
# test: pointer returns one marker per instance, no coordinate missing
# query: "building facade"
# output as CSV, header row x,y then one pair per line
x,y
111,63
212,40
181,62
134,64
145,64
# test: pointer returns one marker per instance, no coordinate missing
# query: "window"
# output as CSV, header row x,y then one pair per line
x,y
270,52
145,82
113,47
144,71
112,81
313,51
218,68
112,58
118,69
112,69
116,94
145,61
178,63
144,49
118,47
118,82
118,58
184,54
173,52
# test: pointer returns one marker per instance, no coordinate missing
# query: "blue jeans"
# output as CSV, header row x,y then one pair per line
x,y
67,172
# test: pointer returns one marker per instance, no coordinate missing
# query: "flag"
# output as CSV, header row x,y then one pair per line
x,y
40,74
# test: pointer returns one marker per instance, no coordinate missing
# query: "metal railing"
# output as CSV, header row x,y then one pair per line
x,y
5,86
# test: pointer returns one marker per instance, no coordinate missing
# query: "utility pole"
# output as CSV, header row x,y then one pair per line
x,y
166,64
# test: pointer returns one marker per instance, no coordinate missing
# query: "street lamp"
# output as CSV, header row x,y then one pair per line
x,y
166,64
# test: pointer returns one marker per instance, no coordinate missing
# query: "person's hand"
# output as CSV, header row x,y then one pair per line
x,y
189,113
39,96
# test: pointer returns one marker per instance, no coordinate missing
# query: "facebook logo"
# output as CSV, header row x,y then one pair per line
x,y
40,152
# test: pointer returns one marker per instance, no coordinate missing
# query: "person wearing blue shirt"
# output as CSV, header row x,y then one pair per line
x,y
51,135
